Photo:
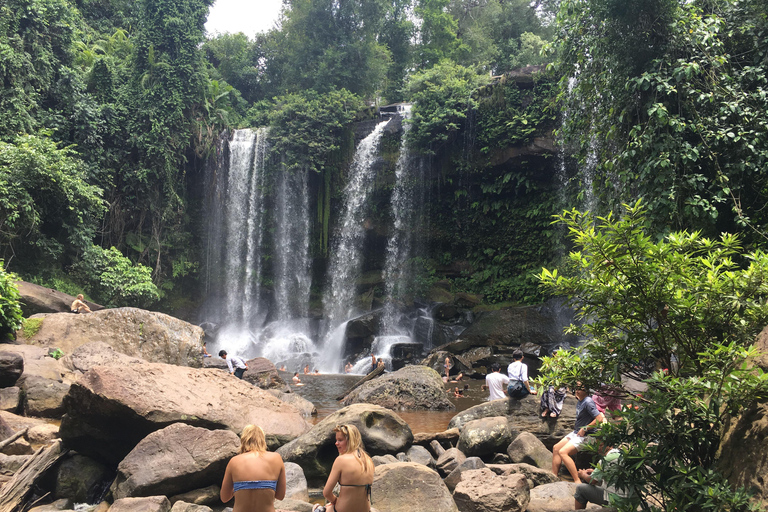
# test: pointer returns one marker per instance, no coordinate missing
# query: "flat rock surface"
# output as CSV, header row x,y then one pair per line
x,y
111,408
136,332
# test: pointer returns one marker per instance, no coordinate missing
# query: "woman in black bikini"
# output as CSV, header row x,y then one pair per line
x,y
255,477
352,470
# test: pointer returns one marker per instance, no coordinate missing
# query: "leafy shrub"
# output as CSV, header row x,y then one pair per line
x,y
10,309
114,280
30,327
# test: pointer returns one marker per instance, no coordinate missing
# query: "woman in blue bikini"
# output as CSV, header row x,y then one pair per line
x,y
352,470
255,477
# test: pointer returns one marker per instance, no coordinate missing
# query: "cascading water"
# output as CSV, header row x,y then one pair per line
x,y
396,275
346,259
253,263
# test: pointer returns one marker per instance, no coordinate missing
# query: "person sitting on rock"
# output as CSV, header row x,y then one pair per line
x,y
255,477
552,400
78,306
593,488
235,364
205,350
587,416
352,470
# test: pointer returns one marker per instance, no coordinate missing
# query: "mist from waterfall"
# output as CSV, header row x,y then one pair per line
x,y
347,248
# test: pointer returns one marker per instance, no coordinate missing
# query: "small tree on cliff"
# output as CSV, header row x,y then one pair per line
x,y
10,309
681,315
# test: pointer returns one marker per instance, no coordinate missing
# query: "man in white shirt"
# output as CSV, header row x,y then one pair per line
x,y
496,382
235,364
518,377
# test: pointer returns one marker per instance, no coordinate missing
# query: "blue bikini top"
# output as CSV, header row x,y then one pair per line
x,y
255,484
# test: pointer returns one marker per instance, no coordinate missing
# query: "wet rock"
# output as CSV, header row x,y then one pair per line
x,y
11,368
449,460
552,497
466,300
420,455
176,459
43,397
381,429
295,482
424,489
10,398
528,449
81,478
149,504
147,334
481,490
411,388
205,496
262,373
111,408
304,406
485,436
523,417
454,477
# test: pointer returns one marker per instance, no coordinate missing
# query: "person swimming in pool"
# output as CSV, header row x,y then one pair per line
x,y
255,477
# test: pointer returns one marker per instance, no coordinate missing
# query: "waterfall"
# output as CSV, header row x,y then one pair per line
x,y
292,262
242,215
346,261
396,271
253,265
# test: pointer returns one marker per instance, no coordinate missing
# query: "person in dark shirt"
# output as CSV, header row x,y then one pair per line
x,y
587,416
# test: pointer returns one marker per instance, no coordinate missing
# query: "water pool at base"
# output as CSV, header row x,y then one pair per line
x,y
322,390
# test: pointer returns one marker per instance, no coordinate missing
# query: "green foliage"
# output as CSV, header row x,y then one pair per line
x,y
10,309
114,281
668,97
306,129
56,353
439,34
688,305
30,327
46,204
442,97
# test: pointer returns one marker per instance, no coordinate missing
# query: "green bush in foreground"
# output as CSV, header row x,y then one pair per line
x,y
10,309
681,315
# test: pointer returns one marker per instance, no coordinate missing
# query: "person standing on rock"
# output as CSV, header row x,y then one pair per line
x,y
587,416
518,377
254,477
235,364
496,382
352,470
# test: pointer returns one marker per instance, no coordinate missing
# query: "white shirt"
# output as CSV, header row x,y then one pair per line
x,y
237,362
518,371
496,383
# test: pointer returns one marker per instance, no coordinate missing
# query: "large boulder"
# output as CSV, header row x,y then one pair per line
x,y
523,416
81,479
527,448
152,336
410,388
410,487
482,490
554,497
39,299
382,431
111,408
304,406
43,397
485,436
454,477
542,324
174,460
262,373
11,368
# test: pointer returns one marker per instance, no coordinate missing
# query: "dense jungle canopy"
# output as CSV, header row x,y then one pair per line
x,y
111,109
